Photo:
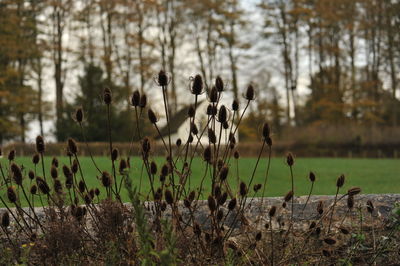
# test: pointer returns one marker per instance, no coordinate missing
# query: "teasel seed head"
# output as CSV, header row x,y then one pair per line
x,y
187,203
12,196
122,166
211,204
57,186
92,193
197,85
54,162
190,138
235,105
222,199
344,230
178,142
289,196
320,207
330,241
107,96
340,181
194,129
207,154
40,146
289,159
17,174
5,220
196,229
81,186
87,199
42,185
114,154
79,115
272,211
135,99
35,158
169,198
74,166
354,191
217,191
152,116
11,155
211,136
370,206
213,95
72,147
97,191
106,179
165,170
284,204
243,189
191,111
250,95
143,101
232,204
162,79
257,187
53,172
312,176
146,145
236,155
225,126
222,114
312,225
219,84
31,175
350,202
269,141
266,131
153,168
33,189
67,172
220,215
223,174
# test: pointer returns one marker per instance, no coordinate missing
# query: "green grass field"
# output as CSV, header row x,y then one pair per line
x,y
372,175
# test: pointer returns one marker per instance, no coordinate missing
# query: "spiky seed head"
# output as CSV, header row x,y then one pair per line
x,y
354,191
272,211
5,220
269,141
370,206
143,101
217,191
92,193
135,99
197,229
222,199
266,131
330,241
223,174
114,154
153,168
11,155
40,146
232,204
250,95
31,175
312,225
219,84
35,158
243,189
66,171
42,185
122,166
190,138
258,236
220,215
54,161
165,170
97,191
87,199
213,97
33,189
257,187
211,136
191,196
106,179
169,198
340,181
53,172
236,155
71,146
211,203
178,142
197,85
146,145
81,186
17,174
235,105
312,177
12,196
350,202
74,166
222,114
207,154
107,96
187,203
57,186
284,204
344,230
289,159
79,115
194,129
162,79
225,125
152,116
320,207
288,196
